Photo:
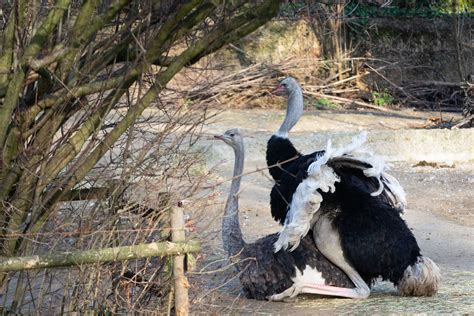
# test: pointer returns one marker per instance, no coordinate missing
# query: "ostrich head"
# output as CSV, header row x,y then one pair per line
x,y
287,86
233,138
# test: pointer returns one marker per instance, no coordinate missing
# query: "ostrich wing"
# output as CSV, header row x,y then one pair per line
x,y
378,179
322,176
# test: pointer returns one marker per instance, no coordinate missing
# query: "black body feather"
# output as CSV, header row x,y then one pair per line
x,y
265,273
296,171
278,150
282,192
288,176
375,239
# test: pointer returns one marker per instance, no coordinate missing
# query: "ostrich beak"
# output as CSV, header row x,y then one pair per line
x,y
221,137
279,89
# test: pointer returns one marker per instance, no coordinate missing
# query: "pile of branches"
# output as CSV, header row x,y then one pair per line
x,y
242,88
251,86
435,94
440,96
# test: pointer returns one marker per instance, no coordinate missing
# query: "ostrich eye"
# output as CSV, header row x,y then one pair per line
x,y
231,134
284,85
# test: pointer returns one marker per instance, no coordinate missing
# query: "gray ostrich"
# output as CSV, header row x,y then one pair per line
x,y
263,273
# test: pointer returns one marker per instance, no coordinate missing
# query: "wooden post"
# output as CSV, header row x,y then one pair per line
x,y
181,285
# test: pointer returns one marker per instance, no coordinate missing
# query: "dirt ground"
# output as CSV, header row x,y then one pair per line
x,y
440,212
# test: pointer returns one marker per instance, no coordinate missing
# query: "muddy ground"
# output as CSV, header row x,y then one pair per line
x,y
440,208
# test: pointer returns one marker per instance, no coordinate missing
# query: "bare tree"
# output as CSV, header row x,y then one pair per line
x,y
76,78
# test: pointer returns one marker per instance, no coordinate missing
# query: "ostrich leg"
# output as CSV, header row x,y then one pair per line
x,y
306,284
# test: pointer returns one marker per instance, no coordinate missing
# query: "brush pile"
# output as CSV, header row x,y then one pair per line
x,y
324,88
251,87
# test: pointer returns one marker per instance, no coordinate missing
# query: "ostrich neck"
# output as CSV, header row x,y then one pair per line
x,y
231,232
294,111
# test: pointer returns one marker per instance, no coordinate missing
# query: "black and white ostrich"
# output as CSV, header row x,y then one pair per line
x,y
352,206
264,274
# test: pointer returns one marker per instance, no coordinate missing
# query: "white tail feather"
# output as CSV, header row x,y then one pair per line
x,y
321,176
301,212
423,278
395,190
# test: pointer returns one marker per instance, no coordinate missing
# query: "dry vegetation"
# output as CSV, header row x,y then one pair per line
x,y
98,141
250,87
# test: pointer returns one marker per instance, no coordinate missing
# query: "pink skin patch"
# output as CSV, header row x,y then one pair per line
x,y
334,291
279,89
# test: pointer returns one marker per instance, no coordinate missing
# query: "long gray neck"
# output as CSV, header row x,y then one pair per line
x,y
294,111
231,232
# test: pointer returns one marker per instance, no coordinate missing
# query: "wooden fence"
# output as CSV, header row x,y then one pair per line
x,y
177,248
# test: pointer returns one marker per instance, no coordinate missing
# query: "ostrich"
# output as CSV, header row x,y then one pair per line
x,y
263,273
352,206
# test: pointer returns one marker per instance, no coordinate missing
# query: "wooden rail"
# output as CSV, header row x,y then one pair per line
x,y
64,259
